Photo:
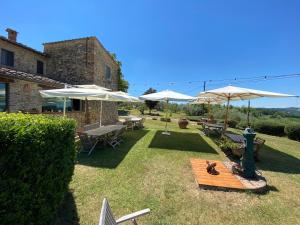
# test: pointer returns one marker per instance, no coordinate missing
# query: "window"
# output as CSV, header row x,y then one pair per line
x,y
7,58
76,105
3,97
39,67
107,73
56,105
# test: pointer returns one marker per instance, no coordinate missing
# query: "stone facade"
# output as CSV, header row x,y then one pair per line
x,y
24,59
77,61
80,61
84,61
24,96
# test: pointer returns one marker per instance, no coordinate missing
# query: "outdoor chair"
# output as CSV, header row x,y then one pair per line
x,y
129,125
141,124
115,139
86,142
107,217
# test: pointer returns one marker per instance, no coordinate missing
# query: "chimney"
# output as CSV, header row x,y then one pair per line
x,y
11,34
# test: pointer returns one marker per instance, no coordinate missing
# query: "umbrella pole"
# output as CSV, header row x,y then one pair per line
x,y
87,119
65,105
226,114
248,114
166,126
208,110
100,113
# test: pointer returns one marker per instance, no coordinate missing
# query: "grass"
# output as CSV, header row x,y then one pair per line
x,y
151,170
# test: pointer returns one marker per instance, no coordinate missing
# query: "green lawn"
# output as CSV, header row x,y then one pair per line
x,y
151,170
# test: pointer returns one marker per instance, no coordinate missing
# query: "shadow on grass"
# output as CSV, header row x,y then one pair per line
x,y
181,142
67,212
107,157
277,161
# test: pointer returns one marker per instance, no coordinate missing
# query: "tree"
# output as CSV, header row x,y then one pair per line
x,y
123,84
150,104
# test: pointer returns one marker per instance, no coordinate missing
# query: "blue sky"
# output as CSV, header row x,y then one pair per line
x,y
165,44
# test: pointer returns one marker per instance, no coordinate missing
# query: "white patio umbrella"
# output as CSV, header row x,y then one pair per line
x,y
92,86
110,96
116,96
207,100
166,96
75,93
128,97
230,93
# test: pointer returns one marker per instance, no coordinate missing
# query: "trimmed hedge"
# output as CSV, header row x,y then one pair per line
x,y
269,127
232,123
293,131
37,155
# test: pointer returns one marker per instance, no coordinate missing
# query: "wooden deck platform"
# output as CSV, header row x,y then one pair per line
x,y
225,179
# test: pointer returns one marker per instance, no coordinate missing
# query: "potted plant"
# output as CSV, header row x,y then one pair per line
x,y
183,122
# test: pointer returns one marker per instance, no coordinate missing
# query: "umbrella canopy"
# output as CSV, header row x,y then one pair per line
x,y
207,100
166,95
128,97
238,93
88,92
73,93
92,86
229,93
83,94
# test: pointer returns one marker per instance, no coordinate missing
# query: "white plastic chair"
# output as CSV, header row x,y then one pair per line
x,y
107,217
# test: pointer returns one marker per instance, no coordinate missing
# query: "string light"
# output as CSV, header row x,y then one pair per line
x,y
223,81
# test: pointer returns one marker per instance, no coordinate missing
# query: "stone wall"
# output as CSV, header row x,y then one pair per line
x,y
83,61
70,61
24,96
102,59
24,59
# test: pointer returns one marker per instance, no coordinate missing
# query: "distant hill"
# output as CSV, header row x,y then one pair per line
x,y
291,111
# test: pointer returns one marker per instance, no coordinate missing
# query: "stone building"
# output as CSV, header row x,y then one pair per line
x,y
24,71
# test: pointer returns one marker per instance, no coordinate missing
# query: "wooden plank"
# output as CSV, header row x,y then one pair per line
x,y
225,179
6,80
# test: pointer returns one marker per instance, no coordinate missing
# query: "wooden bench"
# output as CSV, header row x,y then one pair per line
x,y
237,138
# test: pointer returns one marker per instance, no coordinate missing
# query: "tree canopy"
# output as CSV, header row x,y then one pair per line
x,y
150,104
123,84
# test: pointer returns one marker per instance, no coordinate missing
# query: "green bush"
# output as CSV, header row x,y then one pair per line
x,y
37,156
242,124
232,123
269,127
226,145
123,112
194,118
293,131
165,119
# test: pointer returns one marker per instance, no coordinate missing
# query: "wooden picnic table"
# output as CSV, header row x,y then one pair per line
x,y
208,127
136,121
102,131
214,126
